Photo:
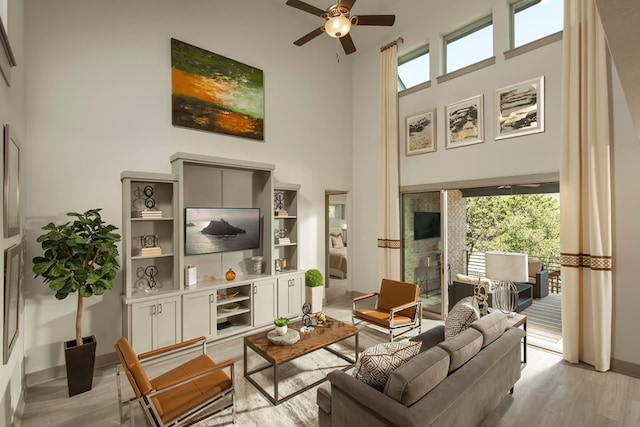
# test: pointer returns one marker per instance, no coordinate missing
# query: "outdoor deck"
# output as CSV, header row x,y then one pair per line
x,y
544,322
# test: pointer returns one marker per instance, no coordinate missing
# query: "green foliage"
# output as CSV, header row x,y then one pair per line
x,y
79,256
313,278
281,321
522,223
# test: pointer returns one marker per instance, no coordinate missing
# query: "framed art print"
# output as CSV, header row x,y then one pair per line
x,y
465,122
420,132
11,183
12,279
520,109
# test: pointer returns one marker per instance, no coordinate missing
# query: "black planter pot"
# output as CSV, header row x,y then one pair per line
x,y
80,362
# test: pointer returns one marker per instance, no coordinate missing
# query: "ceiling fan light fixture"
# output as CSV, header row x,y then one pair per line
x,y
337,26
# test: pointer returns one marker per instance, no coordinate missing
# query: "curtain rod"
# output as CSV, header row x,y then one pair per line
x,y
393,43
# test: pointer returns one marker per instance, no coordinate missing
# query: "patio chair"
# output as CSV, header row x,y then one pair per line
x,y
182,396
397,308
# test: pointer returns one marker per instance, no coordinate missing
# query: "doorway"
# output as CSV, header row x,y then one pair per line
x,y
337,244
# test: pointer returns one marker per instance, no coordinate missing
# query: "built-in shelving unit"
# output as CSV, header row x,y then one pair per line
x,y
159,307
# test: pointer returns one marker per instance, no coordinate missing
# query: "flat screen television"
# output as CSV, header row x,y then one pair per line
x,y
426,225
211,230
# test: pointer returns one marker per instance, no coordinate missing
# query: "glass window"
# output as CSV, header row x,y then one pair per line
x,y
413,68
535,19
471,44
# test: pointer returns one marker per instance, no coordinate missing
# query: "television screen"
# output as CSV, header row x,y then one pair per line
x,y
210,230
426,225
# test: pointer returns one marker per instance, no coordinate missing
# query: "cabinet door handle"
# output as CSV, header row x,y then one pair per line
x,y
153,310
211,299
255,290
159,308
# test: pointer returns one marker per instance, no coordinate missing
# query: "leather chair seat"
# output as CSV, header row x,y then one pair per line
x,y
381,317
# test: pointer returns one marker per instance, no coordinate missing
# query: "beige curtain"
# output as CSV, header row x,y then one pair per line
x,y
388,185
585,188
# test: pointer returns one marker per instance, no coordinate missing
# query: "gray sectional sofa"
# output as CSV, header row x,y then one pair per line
x,y
449,383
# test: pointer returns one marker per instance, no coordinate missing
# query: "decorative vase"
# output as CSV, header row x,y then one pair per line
x,y
230,275
80,362
314,296
281,330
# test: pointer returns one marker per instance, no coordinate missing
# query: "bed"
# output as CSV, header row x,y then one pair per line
x,y
337,256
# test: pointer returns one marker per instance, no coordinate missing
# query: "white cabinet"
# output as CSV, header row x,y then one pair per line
x,y
198,315
154,324
264,302
290,295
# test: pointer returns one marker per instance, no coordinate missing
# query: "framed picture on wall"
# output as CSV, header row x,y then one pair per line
x,y
420,131
12,279
11,183
520,109
465,121
7,60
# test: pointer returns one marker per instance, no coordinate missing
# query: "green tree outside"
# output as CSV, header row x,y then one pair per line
x,y
527,224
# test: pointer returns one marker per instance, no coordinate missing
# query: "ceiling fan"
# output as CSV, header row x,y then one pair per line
x,y
339,22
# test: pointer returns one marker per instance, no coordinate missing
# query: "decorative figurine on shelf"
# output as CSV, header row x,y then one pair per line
x,y
149,201
151,272
306,319
230,275
278,201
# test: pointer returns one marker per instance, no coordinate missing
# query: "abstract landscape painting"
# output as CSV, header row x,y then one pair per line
x,y
520,109
421,132
213,93
465,120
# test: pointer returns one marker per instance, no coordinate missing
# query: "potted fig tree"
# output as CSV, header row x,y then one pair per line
x,y
314,282
79,257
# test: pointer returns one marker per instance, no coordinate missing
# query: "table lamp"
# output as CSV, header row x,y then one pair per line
x,y
506,268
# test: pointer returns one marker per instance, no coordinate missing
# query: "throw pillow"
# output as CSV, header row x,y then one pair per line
x,y
336,241
461,316
375,365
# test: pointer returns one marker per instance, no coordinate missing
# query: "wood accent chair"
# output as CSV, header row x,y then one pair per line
x,y
182,396
397,308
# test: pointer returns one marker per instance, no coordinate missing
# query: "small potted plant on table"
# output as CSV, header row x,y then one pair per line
x,y
281,325
314,289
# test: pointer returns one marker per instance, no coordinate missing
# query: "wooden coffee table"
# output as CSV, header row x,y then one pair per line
x,y
320,338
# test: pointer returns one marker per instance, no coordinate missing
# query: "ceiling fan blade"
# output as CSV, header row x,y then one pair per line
x,y
308,37
347,4
381,20
305,7
347,44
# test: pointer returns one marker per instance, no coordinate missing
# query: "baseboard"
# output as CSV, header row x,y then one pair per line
x,y
102,361
627,368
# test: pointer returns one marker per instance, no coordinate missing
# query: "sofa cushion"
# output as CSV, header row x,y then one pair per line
x,y
491,326
430,338
376,363
413,380
462,347
461,316
323,397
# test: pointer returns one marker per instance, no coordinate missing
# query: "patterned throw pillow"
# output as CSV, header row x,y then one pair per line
x,y
461,316
375,365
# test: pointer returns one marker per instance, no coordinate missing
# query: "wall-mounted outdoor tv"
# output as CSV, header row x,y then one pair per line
x,y
211,230
426,225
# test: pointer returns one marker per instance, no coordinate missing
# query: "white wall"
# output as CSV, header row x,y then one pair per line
x,y
532,154
99,102
12,106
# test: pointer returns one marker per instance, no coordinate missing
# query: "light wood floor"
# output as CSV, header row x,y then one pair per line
x,y
551,393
